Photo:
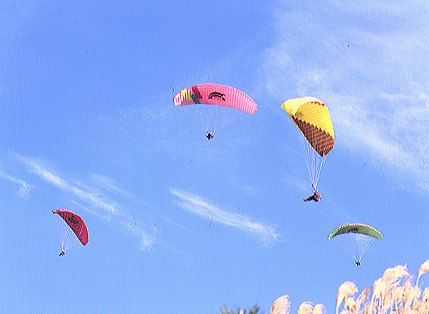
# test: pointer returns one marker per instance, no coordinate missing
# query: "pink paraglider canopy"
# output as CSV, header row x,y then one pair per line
x,y
75,222
214,94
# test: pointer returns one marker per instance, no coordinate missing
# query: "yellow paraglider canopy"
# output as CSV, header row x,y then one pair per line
x,y
312,118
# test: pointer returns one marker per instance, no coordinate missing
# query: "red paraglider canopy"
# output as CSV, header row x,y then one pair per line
x,y
75,222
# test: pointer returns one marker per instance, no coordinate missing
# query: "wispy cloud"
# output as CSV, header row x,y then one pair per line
x,y
207,210
131,225
24,189
369,65
86,194
243,186
109,184
97,200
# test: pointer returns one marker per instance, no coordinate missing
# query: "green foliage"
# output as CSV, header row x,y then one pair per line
x,y
227,310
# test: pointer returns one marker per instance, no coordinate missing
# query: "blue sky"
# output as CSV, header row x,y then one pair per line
x,y
179,223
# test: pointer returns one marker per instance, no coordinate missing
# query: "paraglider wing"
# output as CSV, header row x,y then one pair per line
x,y
76,223
214,94
355,239
312,118
356,228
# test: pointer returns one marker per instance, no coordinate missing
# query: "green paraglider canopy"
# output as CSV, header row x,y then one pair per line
x,y
356,228
355,239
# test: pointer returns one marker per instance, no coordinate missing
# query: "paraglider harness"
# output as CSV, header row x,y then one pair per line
x,y
62,253
315,197
209,135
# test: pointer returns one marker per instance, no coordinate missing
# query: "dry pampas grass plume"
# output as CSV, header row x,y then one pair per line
x,y
281,305
319,309
308,308
423,269
393,293
344,291
305,308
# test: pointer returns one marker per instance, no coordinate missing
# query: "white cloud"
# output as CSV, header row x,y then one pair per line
x,y
24,189
246,188
369,65
93,199
87,194
108,183
132,225
204,209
